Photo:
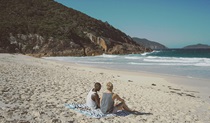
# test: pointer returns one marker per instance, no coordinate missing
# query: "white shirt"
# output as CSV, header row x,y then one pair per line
x,y
89,102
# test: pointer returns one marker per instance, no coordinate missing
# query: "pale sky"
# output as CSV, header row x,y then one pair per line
x,y
173,23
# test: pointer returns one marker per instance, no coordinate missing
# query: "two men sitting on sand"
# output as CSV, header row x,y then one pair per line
x,y
107,101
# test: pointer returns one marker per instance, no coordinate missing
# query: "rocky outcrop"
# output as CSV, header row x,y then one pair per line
x,y
101,42
149,44
112,47
126,48
36,45
98,40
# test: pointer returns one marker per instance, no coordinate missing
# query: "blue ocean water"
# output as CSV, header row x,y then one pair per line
x,y
182,62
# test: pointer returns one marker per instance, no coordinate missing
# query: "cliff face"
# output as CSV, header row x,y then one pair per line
x,y
149,44
47,28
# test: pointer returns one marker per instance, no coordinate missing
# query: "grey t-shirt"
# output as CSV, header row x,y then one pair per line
x,y
107,103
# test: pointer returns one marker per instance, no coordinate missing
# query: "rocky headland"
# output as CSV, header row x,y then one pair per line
x,y
47,28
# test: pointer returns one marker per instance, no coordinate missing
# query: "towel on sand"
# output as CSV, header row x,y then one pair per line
x,y
85,110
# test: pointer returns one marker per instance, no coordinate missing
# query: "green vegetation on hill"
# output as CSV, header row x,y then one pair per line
x,y
43,17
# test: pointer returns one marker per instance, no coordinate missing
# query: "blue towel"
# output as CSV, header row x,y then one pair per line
x,y
96,113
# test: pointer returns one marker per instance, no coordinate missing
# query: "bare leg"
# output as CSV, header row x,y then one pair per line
x,y
125,107
122,105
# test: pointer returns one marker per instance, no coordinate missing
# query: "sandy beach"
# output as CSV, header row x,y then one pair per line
x,y
35,90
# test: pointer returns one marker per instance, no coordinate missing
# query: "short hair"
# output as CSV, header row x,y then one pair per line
x,y
97,86
109,86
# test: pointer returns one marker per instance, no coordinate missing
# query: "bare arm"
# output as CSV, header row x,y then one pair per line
x,y
96,98
117,97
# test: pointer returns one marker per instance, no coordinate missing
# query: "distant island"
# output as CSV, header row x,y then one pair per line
x,y
149,44
197,46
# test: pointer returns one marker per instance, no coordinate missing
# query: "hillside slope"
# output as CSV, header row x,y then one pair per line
x,y
149,44
47,28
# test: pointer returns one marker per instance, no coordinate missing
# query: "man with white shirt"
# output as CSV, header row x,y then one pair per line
x,y
93,100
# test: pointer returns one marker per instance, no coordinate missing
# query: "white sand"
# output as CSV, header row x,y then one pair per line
x,y
35,90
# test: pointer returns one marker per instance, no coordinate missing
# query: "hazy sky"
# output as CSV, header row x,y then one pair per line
x,y
174,23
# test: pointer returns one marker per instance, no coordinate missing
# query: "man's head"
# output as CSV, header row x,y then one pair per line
x,y
109,86
97,86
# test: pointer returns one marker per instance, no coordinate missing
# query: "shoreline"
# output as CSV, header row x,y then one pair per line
x,y
36,89
187,68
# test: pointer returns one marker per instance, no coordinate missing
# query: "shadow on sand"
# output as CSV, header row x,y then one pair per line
x,y
125,113
141,113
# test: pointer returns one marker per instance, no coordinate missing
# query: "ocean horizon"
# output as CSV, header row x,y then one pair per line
x,y
190,63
